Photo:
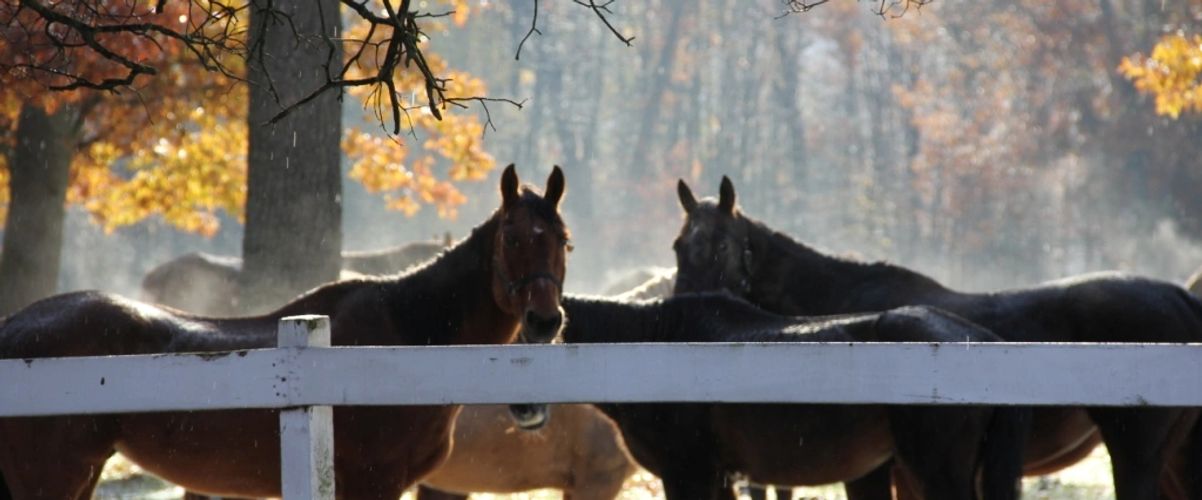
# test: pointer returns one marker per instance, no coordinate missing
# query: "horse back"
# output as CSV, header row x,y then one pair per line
x,y
196,282
1099,307
1114,307
928,324
92,323
391,260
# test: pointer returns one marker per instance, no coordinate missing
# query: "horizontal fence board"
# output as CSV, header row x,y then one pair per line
x,y
862,373
955,373
160,382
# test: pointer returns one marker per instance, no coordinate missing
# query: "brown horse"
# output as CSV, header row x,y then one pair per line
x,y
695,448
721,248
502,282
203,283
578,451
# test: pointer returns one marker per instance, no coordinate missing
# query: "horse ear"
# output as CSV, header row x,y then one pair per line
x,y
555,184
726,196
509,186
687,201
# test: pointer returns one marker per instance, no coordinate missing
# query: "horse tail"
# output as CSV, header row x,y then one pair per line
x,y
1001,462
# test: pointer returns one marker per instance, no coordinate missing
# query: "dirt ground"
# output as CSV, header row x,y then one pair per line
x,y
1089,479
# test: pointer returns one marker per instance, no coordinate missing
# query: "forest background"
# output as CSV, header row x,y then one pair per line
x,y
988,144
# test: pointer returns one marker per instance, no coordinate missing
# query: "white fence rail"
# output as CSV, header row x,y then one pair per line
x,y
306,380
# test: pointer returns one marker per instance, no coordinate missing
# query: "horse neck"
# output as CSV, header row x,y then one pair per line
x,y
447,301
456,289
792,278
594,320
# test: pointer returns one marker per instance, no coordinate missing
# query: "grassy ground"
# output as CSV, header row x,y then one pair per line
x,y
1089,479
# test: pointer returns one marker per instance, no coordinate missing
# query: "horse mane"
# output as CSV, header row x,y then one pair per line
x,y
800,251
786,253
714,316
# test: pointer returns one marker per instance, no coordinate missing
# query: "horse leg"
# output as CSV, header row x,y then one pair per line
x,y
1182,475
875,485
699,484
54,457
1001,452
5,494
427,493
905,485
940,447
367,483
90,488
189,495
1192,461
1139,441
758,492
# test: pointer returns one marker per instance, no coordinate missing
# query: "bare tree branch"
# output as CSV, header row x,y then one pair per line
x,y
79,25
533,30
459,101
601,10
883,8
210,32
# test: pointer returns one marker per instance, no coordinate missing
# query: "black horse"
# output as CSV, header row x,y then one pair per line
x,y
695,448
721,248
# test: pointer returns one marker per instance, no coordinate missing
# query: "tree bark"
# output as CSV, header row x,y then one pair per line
x,y
33,232
293,232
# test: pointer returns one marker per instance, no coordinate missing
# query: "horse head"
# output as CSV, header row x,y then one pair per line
x,y
530,256
713,251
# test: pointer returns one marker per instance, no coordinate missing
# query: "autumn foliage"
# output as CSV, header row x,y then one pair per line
x,y
173,144
1173,74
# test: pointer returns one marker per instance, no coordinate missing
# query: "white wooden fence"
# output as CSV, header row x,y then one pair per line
x,y
304,377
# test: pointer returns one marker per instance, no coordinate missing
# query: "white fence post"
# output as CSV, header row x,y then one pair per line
x,y
306,432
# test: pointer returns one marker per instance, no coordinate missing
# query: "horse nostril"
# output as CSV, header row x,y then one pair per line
x,y
544,323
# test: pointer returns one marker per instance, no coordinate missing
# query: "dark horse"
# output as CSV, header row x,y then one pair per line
x,y
721,248
695,448
502,282
204,283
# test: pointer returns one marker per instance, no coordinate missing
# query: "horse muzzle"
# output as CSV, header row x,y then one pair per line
x,y
539,328
530,416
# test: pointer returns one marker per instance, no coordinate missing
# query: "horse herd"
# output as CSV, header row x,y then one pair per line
x,y
736,280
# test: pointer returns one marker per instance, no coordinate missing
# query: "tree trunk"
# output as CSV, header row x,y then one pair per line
x,y
33,232
659,76
293,232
